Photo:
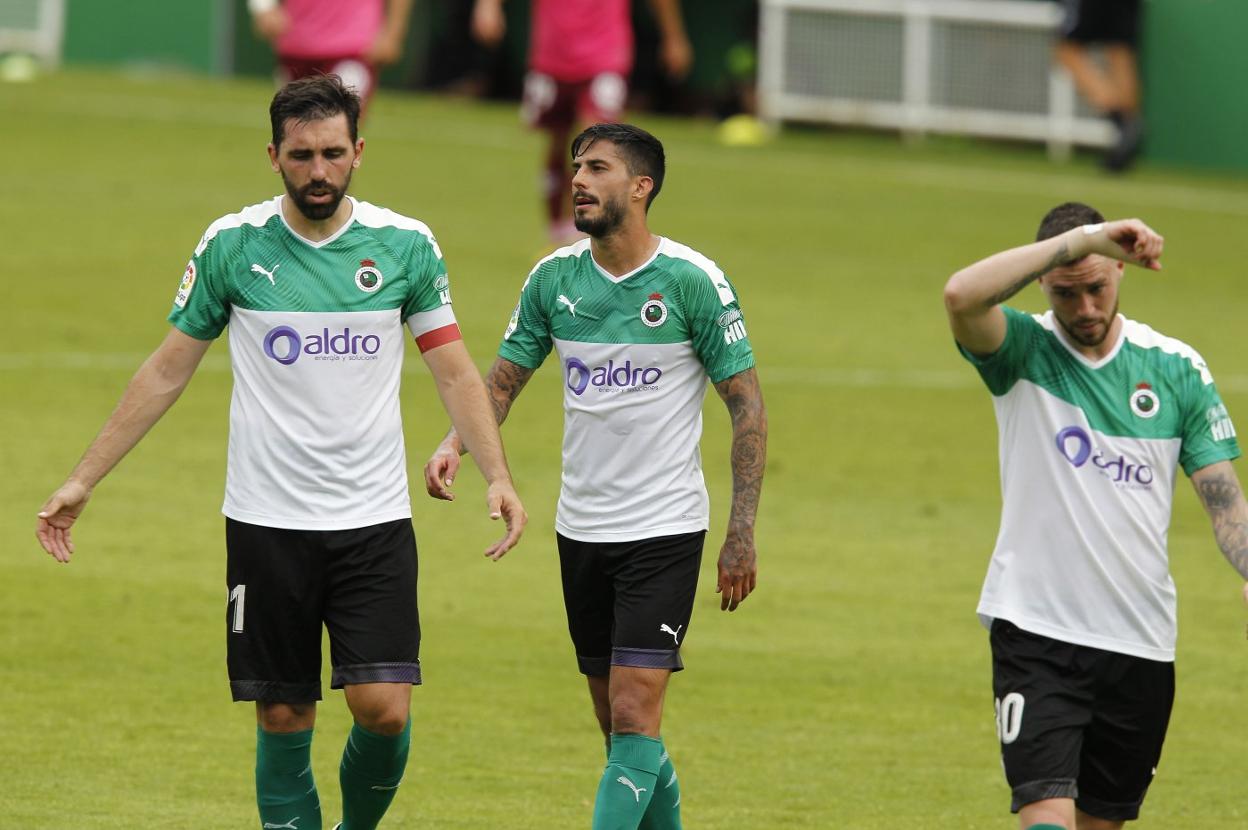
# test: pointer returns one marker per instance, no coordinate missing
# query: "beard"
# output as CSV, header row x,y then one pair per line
x,y
1093,339
313,211
610,218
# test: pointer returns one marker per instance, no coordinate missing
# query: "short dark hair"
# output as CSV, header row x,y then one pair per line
x,y
311,99
1066,216
642,152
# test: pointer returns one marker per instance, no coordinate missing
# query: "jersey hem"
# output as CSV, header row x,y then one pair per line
x,y
305,523
192,330
987,613
1199,462
740,366
630,535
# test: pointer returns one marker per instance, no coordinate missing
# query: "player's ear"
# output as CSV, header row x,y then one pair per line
x,y
359,152
642,188
273,158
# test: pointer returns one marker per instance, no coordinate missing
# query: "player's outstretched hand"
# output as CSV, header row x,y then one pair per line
x,y
1129,240
271,24
57,516
738,570
488,24
505,504
440,471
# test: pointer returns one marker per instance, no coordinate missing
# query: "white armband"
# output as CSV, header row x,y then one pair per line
x,y
1088,230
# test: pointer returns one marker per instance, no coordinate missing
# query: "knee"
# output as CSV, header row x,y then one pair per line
x,y
389,719
285,717
632,713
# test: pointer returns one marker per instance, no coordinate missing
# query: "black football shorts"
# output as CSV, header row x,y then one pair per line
x,y
1101,21
282,585
1078,722
629,603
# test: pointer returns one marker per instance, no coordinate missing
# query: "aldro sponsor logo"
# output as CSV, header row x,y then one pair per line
x,y
1220,426
1076,446
285,345
732,324
579,376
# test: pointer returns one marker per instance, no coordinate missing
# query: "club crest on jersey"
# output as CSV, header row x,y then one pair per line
x,y
1144,401
184,287
368,278
653,311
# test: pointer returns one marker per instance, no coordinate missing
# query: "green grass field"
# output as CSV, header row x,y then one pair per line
x,y
851,691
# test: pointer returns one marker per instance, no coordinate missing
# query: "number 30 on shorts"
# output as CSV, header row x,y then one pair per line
x,y
1009,711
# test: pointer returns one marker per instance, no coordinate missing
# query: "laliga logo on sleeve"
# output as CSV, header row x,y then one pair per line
x,y
368,278
1144,401
184,288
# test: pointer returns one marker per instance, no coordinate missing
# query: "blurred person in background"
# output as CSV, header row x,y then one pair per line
x,y
353,39
580,56
1096,415
1113,89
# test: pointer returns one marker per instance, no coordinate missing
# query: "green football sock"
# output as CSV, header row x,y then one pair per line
x,y
664,810
372,767
627,783
1046,827
285,791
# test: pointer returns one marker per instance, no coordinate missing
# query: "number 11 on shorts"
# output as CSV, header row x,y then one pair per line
x,y
238,596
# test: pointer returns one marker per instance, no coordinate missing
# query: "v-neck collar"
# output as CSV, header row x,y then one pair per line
x,y
281,211
1080,356
617,280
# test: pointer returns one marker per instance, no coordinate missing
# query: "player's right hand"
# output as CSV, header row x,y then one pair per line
x,y
57,516
440,471
1129,240
503,503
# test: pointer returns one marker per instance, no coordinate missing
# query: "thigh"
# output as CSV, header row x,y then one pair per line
x,y
548,104
1043,700
589,600
371,611
1122,746
655,583
275,583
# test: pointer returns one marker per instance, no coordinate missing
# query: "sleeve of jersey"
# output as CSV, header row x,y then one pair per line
x,y
428,310
527,339
1002,369
718,328
1208,434
200,309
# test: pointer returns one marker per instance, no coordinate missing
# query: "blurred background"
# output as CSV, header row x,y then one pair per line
x,y
877,147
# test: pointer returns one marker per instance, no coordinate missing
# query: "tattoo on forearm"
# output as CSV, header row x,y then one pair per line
x,y
1061,257
744,399
1225,504
503,385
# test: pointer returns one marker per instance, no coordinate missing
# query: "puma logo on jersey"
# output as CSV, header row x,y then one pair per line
x,y
256,269
290,825
637,791
569,303
667,629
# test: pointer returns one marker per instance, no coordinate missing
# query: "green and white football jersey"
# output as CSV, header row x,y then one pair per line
x,y
636,352
1089,455
316,345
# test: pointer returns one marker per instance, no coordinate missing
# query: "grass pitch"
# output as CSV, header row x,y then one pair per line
x,y
851,691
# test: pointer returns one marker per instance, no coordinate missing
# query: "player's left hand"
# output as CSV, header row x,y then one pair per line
x,y
505,504
676,56
738,570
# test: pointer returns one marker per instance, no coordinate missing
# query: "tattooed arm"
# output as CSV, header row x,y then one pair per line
x,y
738,570
502,387
973,295
1220,493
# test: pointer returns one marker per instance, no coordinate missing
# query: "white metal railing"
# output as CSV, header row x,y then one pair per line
x,y
978,67
33,27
